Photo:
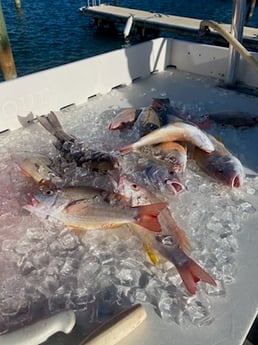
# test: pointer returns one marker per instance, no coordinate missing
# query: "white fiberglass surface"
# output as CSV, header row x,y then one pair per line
x,y
96,272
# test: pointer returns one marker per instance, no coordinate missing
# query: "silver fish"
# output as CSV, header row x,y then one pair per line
x,y
178,131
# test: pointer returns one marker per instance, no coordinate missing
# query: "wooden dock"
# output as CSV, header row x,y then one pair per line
x,y
144,22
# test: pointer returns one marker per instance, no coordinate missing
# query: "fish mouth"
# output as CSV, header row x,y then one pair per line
x,y
236,181
34,202
175,187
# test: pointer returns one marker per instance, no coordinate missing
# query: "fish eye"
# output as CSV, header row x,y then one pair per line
x,y
135,187
48,192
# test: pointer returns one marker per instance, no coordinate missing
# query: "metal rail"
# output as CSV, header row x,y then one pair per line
x,y
237,28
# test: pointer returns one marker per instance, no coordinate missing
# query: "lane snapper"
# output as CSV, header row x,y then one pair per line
x,y
88,208
73,150
178,131
172,243
220,164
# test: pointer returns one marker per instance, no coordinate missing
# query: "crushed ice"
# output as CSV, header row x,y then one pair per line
x,y
46,268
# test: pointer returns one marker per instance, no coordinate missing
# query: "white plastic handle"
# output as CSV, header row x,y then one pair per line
x,y
117,328
41,330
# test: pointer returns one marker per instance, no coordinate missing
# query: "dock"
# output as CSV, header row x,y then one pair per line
x,y
144,22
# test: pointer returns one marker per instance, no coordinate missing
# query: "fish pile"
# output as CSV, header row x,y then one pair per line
x,y
90,207
87,189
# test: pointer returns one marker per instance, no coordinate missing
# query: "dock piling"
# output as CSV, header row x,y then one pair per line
x,y
18,4
6,56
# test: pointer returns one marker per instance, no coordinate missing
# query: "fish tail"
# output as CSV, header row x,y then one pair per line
x,y
178,234
126,149
205,124
191,273
147,216
51,123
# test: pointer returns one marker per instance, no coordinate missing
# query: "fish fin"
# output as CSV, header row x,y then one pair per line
x,y
168,146
77,207
155,259
191,273
124,119
147,216
51,123
205,124
126,149
143,236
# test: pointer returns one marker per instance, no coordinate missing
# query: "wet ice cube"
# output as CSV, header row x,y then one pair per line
x,y
169,308
69,240
129,277
69,269
218,290
35,234
246,207
140,295
88,271
197,312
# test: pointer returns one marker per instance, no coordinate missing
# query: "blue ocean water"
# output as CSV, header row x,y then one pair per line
x,y
47,33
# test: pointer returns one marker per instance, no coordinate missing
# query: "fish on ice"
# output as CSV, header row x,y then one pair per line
x,y
232,118
148,120
173,153
171,243
73,150
136,195
40,168
220,164
188,269
178,131
161,177
88,208
124,119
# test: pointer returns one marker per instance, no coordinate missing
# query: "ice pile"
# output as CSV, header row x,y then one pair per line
x,y
46,268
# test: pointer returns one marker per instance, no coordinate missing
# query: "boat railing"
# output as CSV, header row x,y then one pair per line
x,y
234,39
237,28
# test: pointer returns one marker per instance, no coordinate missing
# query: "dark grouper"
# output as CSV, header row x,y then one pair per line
x,y
220,164
73,150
